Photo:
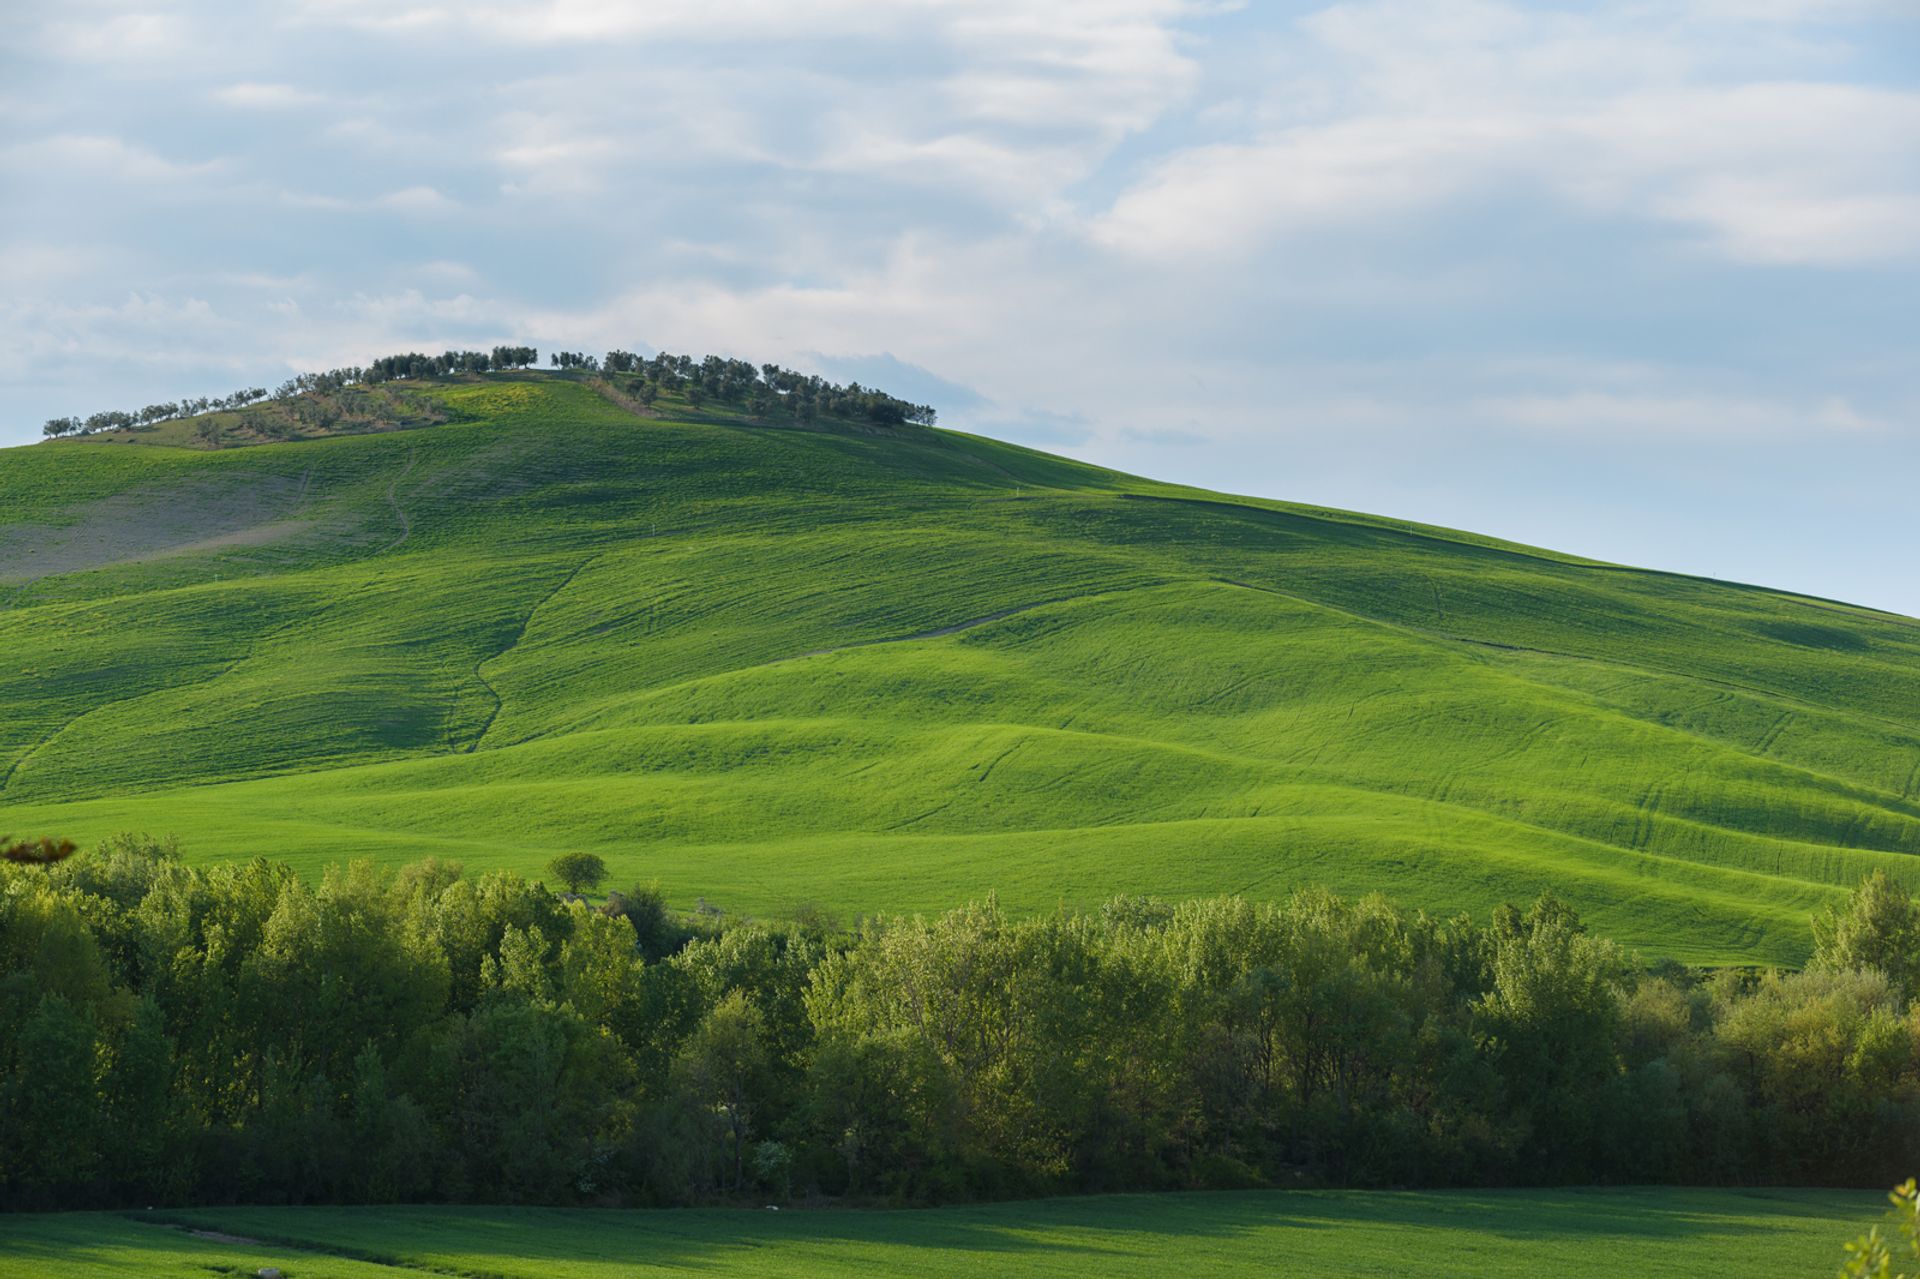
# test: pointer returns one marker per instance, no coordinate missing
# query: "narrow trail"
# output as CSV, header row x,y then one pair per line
x,y
252,649
1900,802
6,779
518,635
937,632
952,629
1772,733
393,500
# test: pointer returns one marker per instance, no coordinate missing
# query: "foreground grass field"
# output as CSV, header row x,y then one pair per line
x,y
891,671
1569,1233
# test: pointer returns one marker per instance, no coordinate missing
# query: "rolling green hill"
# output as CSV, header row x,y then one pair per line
x,y
895,669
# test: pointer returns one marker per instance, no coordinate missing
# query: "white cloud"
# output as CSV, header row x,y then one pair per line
x,y
1695,415
416,199
552,156
100,155
1440,101
1801,11
450,272
1772,172
314,200
381,137
1097,23
268,97
1338,244
141,329
130,38
1223,199
40,265
999,95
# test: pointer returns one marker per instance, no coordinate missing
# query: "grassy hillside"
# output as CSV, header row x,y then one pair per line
x,y
896,669
1642,1233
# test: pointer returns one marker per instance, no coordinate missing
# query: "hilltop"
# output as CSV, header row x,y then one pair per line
x,y
869,666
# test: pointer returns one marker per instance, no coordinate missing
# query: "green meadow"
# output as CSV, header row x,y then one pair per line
x,y
1472,1235
868,670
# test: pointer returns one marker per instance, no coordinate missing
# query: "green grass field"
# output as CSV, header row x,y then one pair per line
x,y
1572,1234
890,671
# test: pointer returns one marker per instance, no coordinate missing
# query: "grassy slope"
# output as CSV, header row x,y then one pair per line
x,y
552,624
1642,1233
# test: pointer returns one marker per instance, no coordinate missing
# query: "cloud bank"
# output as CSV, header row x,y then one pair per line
x,y
1632,280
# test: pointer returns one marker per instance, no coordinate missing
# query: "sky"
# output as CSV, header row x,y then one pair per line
x,y
1639,281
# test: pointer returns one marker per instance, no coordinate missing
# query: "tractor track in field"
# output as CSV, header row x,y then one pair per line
x,y
393,500
938,631
1643,821
1291,868
1232,687
1533,555
252,649
519,634
6,779
1786,699
994,763
941,808
1751,690
1644,668
954,628
1772,735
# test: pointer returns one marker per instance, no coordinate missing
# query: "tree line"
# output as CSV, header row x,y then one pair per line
x,y
387,368
121,420
173,1034
762,390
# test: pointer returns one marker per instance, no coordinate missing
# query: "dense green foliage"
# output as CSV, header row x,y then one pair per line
x,y
1590,1234
171,1033
579,872
1875,1256
886,668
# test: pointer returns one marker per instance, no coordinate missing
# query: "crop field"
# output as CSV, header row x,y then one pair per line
x,y
880,671
1467,1234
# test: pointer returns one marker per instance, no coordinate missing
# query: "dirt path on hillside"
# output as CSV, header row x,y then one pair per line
x,y
518,635
393,500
